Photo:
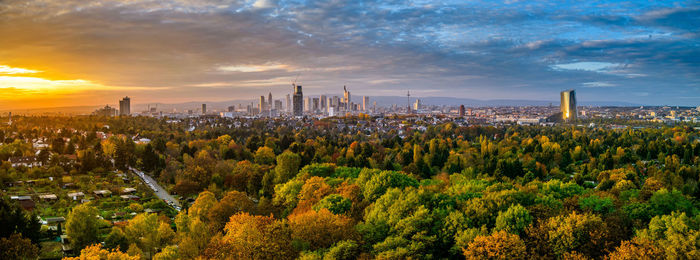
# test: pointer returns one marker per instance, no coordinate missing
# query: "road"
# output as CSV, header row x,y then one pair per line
x,y
157,189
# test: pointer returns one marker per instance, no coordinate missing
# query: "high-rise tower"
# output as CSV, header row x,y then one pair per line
x,y
568,105
298,101
270,103
125,106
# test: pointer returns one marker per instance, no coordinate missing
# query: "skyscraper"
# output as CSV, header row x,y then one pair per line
x,y
568,105
365,103
289,104
461,111
307,104
298,101
315,105
346,98
125,106
261,106
324,104
204,109
270,102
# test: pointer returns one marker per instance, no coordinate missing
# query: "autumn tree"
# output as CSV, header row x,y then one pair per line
x,y
320,229
97,252
255,237
499,245
17,247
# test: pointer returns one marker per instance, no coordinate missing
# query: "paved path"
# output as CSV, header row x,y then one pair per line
x,y
157,189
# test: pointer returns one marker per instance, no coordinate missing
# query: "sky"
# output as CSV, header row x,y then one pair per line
x,y
76,52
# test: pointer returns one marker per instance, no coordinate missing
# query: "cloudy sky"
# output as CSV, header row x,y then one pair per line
x,y
76,52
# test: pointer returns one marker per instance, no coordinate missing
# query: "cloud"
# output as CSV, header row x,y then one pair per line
x,y
4,69
598,84
586,65
216,49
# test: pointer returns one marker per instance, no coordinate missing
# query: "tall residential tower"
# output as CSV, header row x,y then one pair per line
x,y
125,106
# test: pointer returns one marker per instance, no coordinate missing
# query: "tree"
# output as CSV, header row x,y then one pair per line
x,y
335,203
514,220
17,247
148,233
664,202
168,253
97,252
117,240
676,234
584,233
82,226
232,203
320,229
264,155
638,248
201,206
378,184
499,245
255,237
287,166
16,221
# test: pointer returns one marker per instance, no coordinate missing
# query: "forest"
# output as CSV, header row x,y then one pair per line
x,y
336,189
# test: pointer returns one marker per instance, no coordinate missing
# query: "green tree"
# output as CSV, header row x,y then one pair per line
x,y
288,164
514,220
83,226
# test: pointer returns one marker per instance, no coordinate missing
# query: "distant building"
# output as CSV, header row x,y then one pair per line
x,y
278,105
568,105
365,103
315,105
270,103
106,111
307,104
125,106
417,105
461,111
324,103
204,109
261,104
346,98
231,109
289,104
298,101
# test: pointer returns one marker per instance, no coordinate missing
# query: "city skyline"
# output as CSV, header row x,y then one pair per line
x,y
65,53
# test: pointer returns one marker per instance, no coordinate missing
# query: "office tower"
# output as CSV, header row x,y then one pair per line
x,y
204,109
471,112
231,109
568,105
346,98
365,103
324,104
461,111
261,104
289,104
307,104
315,105
125,106
417,105
298,100
278,105
270,103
